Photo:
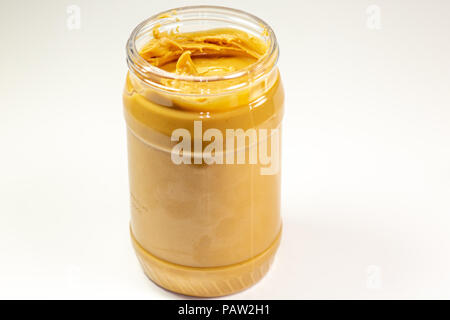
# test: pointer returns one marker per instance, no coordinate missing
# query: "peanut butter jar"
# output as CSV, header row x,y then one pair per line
x,y
203,104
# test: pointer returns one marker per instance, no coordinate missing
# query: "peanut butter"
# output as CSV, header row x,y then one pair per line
x,y
212,52
203,229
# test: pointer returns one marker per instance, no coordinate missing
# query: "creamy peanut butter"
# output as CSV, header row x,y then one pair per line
x,y
205,53
203,229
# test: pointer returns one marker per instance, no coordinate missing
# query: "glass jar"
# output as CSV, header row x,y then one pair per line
x,y
201,227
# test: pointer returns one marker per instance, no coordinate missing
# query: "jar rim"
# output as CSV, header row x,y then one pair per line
x,y
145,70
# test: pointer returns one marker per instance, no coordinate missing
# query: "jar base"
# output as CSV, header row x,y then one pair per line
x,y
206,282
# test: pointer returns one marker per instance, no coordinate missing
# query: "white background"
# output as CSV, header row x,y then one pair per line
x,y
366,150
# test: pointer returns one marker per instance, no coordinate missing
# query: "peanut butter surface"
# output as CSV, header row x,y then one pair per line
x,y
204,53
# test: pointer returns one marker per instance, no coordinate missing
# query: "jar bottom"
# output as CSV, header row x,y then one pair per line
x,y
206,282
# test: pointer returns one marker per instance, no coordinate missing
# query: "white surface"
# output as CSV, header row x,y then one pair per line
x,y
366,158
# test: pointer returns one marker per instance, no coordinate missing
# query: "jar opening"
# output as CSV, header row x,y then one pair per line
x,y
201,18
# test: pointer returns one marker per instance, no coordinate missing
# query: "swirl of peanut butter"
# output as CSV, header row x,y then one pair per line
x,y
203,53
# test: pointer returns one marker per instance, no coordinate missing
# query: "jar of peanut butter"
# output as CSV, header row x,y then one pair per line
x,y
203,104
